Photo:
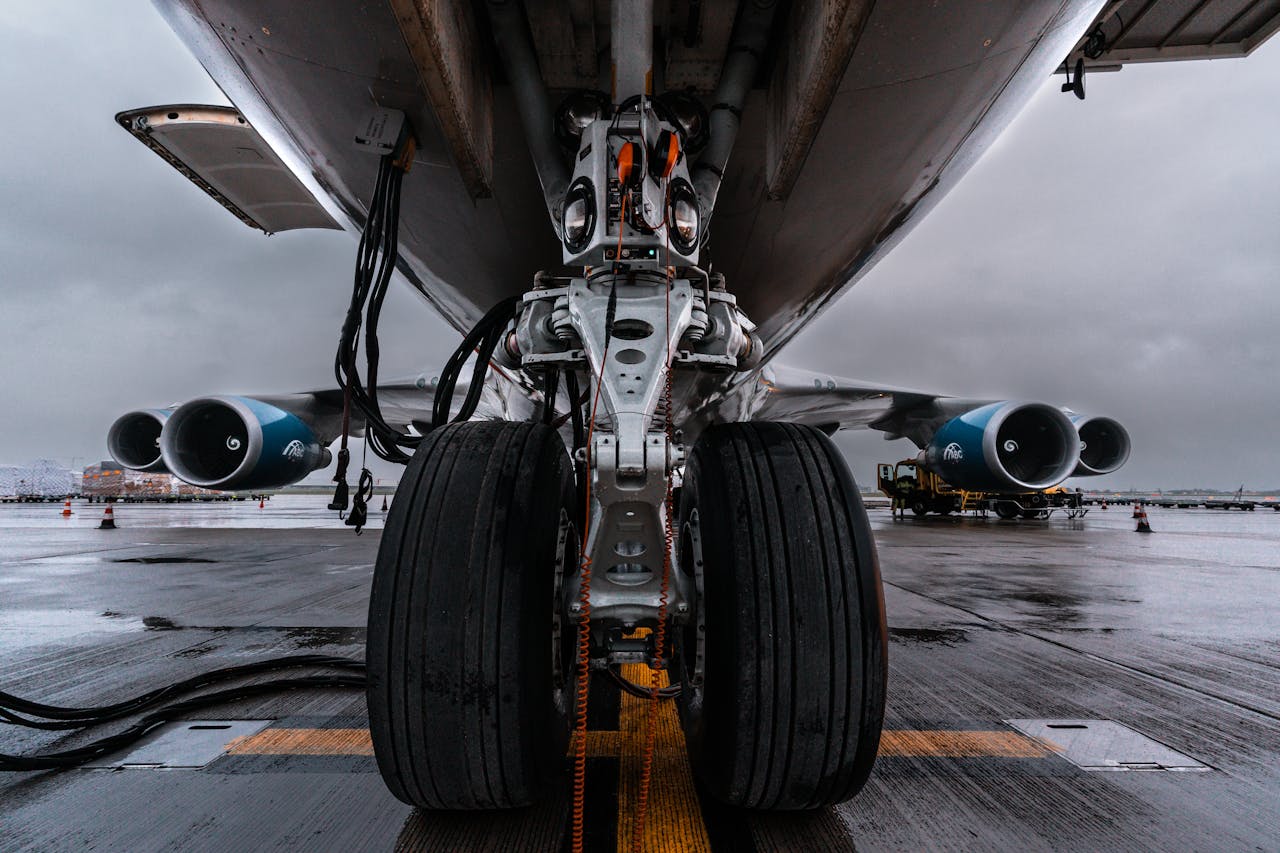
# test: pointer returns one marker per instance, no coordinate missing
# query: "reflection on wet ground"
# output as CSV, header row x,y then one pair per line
x,y
1173,635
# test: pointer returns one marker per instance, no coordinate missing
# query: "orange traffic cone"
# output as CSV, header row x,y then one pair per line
x,y
384,503
1104,505
1141,514
262,503
66,509
108,519
1137,508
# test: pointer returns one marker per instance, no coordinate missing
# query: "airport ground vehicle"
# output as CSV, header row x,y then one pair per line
x,y
912,487
548,178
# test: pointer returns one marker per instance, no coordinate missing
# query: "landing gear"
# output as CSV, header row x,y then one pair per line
x,y
784,662
468,703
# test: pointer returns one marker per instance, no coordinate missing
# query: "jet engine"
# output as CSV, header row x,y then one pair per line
x,y
1104,445
134,439
1008,446
239,443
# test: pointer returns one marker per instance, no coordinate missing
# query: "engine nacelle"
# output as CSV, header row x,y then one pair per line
x,y
134,439
1009,446
1104,445
239,443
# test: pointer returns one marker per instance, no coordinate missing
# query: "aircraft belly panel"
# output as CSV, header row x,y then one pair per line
x,y
916,108
928,86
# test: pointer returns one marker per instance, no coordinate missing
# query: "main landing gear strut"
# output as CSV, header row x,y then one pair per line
x,y
519,558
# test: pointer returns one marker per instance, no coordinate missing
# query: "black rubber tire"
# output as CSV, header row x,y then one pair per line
x,y
466,708
789,712
1007,510
920,508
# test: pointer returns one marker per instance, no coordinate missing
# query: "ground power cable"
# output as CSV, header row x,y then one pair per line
x,y
68,718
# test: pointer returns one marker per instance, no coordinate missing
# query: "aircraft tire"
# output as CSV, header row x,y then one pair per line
x,y
466,694
786,709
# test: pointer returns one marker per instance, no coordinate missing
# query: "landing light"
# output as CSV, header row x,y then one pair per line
x,y
576,113
684,217
579,215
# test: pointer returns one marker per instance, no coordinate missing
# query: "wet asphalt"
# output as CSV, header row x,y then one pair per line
x,y
1175,635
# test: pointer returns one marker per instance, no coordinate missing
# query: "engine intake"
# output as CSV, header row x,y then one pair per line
x,y
239,443
1009,446
1104,445
134,439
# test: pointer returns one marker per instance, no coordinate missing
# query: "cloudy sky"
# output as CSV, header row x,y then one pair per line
x,y
1120,256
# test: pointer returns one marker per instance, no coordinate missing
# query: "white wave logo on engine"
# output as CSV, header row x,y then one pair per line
x,y
294,451
1011,446
952,453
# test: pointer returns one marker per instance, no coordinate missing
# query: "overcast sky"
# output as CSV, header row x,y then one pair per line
x,y
1119,256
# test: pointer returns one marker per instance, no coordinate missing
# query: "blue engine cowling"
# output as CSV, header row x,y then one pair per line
x,y
134,439
239,443
1009,446
1104,445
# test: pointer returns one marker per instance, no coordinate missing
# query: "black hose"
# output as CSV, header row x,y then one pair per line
x,y
102,713
628,686
376,258
113,743
64,718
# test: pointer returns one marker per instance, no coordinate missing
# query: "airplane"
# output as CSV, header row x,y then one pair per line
x,y
627,210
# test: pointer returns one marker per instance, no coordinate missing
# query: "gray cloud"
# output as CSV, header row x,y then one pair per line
x,y
1118,255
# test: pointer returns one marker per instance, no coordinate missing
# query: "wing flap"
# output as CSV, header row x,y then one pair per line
x,y
1171,30
219,151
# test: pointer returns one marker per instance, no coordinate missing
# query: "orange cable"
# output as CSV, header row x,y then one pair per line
x,y
584,599
655,671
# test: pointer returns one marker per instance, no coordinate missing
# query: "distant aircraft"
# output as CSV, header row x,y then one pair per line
x,y
627,216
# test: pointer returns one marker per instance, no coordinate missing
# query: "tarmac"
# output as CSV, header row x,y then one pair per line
x,y
1054,685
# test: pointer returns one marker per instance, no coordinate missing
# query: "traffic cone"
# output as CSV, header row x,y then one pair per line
x,y
384,503
1141,514
108,519
66,509
1137,508
262,503
1104,505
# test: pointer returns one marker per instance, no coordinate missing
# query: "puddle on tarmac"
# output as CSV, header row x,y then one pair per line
x,y
35,627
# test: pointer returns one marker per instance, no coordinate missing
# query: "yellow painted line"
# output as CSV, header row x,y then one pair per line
x,y
628,744
304,742
960,744
674,817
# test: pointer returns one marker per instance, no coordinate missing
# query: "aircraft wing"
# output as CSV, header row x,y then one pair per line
x,y
834,402
1127,31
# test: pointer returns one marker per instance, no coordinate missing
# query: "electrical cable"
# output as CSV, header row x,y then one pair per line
x,y
63,718
376,258
108,745
641,691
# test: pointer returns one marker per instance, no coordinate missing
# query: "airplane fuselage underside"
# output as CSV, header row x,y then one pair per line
x,y
810,200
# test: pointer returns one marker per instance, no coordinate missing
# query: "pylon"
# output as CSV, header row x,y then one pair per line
x,y
384,503
1141,514
108,519
262,503
1137,508
66,508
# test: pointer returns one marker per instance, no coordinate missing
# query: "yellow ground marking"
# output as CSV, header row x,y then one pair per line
x,y
670,760
959,744
304,742
674,819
